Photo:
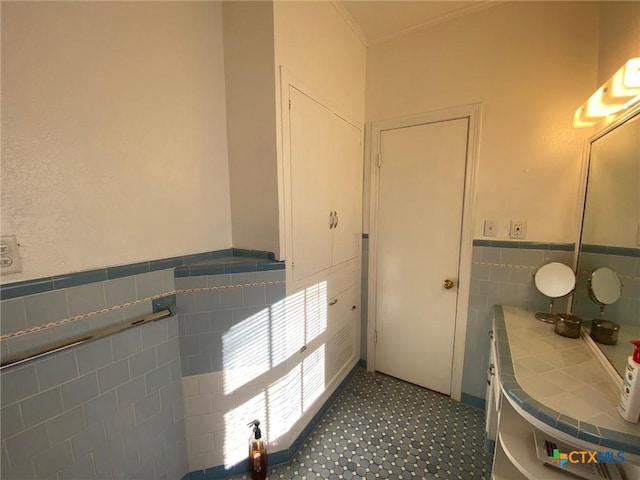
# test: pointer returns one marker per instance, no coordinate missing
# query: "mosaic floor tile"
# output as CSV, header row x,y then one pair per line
x,y
382,427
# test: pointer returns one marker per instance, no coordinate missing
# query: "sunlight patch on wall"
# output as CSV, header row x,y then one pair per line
x,y
236,431
316,310
271,336
285,403
254,347
287,327
246,350
312,377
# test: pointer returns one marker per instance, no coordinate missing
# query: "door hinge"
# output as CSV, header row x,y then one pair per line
x,y
375,336
289,104
379,160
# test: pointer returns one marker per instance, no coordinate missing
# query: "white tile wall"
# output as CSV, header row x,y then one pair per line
x,y
204,429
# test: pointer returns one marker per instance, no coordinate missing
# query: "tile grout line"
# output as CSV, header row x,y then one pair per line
x,y
65,321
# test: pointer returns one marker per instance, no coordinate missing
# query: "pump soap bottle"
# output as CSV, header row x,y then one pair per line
x,y
629,407
257,453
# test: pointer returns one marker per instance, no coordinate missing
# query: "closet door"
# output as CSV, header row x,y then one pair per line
x,y
311,151
346,186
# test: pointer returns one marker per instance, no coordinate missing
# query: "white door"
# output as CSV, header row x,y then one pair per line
x,y
420,204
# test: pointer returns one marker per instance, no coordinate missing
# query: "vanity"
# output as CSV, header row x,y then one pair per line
x,y
545,387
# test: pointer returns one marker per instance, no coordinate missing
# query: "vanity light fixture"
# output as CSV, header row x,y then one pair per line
x,y
620,92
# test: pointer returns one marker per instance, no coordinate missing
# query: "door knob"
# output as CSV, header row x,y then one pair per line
x,y
448,284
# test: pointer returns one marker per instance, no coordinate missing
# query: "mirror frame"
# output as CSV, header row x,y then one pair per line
x,y
607,125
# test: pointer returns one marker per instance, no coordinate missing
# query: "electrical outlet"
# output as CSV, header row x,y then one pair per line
x,y
9,255
518,229
490,228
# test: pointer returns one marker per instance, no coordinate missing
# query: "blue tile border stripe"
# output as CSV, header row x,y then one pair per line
x,y
563,247
223,266
260,261
582,430
621,251
28,287
282,456
241,252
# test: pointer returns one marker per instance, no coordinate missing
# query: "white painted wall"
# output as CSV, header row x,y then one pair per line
x,y
251,123
317,46
114,144
530,64
619,37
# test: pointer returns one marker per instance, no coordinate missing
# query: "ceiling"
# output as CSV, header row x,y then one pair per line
x,y
378,21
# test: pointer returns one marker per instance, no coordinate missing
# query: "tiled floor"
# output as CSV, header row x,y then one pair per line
x,y
381,427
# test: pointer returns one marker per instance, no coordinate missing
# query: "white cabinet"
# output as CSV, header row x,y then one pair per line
x,y
324,202
493,394
343,315
322,193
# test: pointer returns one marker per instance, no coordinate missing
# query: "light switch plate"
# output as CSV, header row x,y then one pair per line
x,y
490,228
10,261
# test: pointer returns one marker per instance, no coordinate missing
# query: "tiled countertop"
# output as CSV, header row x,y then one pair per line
x,y
559,381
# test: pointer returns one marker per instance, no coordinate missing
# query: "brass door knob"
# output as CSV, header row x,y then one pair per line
x,y
448,284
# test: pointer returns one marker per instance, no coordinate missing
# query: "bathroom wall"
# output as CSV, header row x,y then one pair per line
x,y
502,274
250,75
619,37
111,408
226,324
530,64
114,144
317,46
248,351
114,153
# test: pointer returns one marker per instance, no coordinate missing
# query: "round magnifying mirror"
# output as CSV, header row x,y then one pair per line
x,y
554,280
605,286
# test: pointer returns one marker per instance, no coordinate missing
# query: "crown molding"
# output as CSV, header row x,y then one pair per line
x,y
476,7
337,4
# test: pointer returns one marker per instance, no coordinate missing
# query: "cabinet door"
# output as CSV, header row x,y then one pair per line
x,y
346,186
342,328
311,126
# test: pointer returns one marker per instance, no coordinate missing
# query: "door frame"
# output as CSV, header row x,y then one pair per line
x,y
473,113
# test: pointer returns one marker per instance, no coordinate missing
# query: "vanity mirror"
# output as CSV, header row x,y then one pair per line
x,y
604,287
554,280
608,268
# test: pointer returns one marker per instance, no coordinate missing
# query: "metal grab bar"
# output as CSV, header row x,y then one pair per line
x,y
168,312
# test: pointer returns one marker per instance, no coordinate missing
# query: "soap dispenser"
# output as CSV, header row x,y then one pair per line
x,y
629,407
257,453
